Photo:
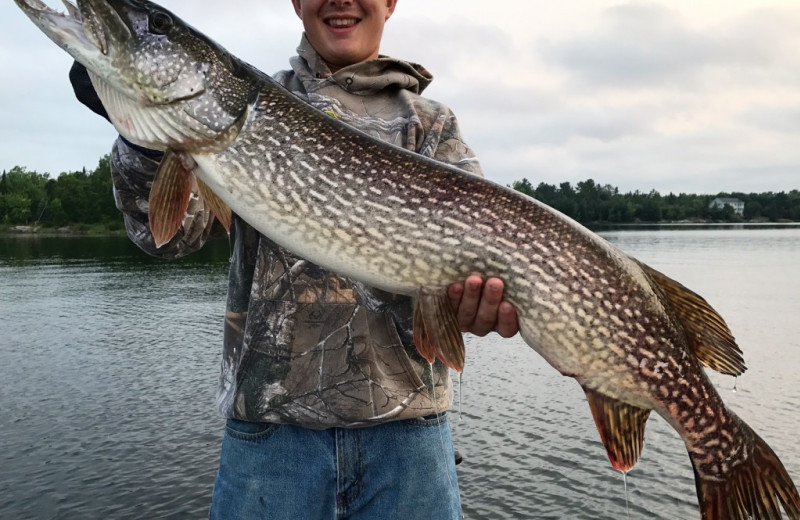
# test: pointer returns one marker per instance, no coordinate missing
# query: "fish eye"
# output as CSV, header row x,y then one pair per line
x,y
160,23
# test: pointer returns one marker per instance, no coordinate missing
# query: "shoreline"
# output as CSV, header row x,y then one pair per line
x,y
62,232
650,225
22,231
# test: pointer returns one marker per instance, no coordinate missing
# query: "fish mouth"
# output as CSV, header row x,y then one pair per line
x,y
151,108
86,30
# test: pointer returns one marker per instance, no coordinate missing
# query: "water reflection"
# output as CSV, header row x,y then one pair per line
x,y
26,249
109,362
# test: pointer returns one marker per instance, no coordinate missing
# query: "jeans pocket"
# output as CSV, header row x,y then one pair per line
x,y
435,419
250,431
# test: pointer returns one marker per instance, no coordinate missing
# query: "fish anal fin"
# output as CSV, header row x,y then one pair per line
x,y
621,427
169,198
436,331
709,336
218,208
757,488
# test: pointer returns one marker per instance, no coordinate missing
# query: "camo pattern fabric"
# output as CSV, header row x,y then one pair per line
x,y
302,345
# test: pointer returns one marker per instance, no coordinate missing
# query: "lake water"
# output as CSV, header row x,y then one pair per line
x,y
109,359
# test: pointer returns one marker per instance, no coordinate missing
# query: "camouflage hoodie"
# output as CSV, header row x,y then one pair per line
x,y
301,344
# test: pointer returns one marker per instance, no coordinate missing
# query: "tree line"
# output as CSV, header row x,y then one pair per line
x,y
73,198
589,203
85,198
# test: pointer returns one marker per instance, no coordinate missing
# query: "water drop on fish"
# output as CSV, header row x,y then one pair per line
x,y
445,451
459,397
433,388
625,480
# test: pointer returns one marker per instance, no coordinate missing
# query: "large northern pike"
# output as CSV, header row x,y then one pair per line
x,y
634,339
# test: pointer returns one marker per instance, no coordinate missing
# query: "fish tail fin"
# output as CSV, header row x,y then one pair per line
x,y
755,489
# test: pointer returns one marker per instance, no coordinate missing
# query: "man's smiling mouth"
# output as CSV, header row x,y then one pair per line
x,y
342,22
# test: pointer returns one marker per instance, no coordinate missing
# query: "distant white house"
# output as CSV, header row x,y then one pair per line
x,y
721,202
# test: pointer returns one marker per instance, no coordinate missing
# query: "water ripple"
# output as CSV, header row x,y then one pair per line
x,y
109,362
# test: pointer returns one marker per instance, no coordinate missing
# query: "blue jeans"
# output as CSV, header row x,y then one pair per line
x,y
404,470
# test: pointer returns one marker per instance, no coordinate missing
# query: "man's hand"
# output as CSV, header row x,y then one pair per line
x,y
481,308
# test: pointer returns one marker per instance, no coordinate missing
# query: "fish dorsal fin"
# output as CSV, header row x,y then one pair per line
x,y
621,428
215,204
709,336
436,330
169,198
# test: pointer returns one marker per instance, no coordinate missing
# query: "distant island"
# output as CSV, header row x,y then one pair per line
x,y
81,202
591,203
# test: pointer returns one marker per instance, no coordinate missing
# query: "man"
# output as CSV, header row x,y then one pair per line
x,y
331,411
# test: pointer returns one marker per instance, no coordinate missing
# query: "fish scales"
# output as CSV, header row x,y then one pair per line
x,y
574,320
594,317
591,303
635,340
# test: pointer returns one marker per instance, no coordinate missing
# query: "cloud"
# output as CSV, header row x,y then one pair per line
x,y
705,162
451,47
784,119
635,45
653,46
686,95
644,98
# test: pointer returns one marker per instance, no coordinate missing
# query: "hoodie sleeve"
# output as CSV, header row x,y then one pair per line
x,y
442,138
451,148
132,174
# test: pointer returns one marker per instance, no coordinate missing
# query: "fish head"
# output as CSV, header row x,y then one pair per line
x,y
164,84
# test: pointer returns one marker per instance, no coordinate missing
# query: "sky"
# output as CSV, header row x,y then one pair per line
x,y
685,96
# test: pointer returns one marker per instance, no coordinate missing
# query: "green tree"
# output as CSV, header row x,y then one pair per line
x,y
794,205
72,189
524,186
16,208
54,215
78,197
588,207
22,194
546,193
592,202
621,210
101,192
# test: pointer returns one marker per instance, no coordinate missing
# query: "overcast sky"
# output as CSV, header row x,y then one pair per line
x,y
694,96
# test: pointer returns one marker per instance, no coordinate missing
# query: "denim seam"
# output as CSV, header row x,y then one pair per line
x,y
258,436
339,511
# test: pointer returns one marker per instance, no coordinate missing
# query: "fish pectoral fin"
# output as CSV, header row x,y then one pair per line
x,y
436,331
169,198
709,336
218,208
621,428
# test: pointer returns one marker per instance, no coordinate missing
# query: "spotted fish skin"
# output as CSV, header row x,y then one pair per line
x,y
635,340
